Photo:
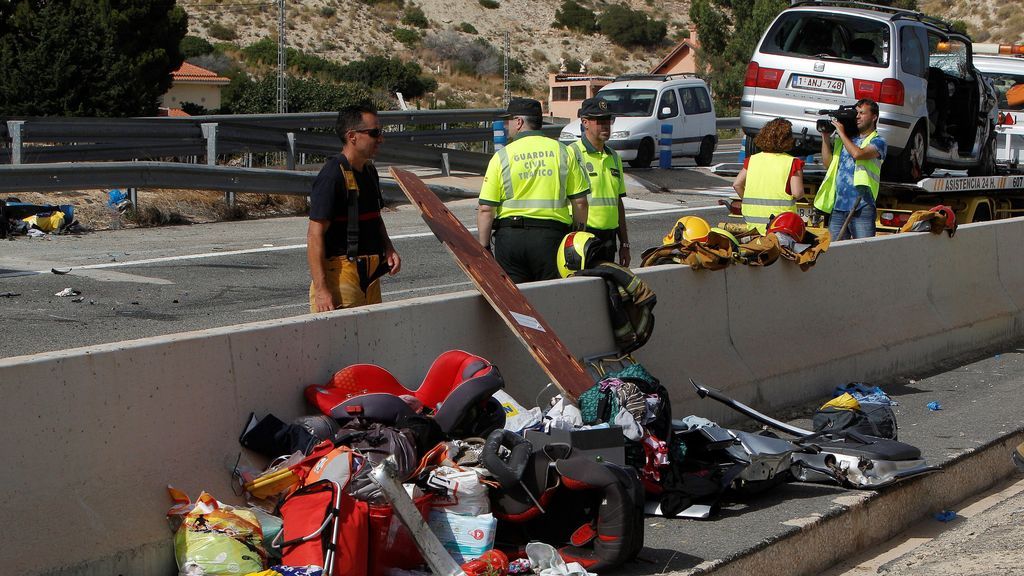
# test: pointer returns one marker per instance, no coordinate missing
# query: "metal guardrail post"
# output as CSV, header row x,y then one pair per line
x,y
290,160
210,133
14,128
133,197
446,169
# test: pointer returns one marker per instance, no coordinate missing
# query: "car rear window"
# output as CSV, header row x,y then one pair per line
x,y
830,36
630,101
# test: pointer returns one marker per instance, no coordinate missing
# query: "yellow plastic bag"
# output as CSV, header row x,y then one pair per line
x,y
214,539
48,223
844,402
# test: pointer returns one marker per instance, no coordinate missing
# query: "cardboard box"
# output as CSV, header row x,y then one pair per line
x,y
605,444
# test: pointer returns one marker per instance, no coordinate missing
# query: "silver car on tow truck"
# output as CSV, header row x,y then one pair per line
x,y
935,108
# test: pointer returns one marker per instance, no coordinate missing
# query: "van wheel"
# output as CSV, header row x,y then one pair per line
x,y
644,154
987,165
910,166
707,152
982,213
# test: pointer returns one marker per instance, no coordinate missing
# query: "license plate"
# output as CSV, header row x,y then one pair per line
x,y
817,84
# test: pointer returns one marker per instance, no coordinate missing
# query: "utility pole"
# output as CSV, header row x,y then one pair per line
x,y
282,61
507,94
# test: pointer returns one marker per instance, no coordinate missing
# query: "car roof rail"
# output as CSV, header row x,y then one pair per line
x,y
659,77
897,13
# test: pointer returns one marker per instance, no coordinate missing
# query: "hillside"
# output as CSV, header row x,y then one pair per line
x,y
346,30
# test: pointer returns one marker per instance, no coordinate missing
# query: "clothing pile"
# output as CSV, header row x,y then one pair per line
x,y
721,246
35,220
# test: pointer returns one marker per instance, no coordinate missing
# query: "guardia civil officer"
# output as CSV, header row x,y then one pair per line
x,y
533,194
602,166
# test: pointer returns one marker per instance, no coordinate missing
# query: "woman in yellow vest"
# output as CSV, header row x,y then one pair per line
x,y
771,181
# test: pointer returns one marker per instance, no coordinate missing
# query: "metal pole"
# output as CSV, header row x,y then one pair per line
x,y
14,127
507,94
133,197
282,60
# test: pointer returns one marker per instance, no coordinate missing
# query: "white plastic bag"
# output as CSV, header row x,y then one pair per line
x,y
465,493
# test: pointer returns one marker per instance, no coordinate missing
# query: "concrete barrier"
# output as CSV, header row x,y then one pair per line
x,y
93,435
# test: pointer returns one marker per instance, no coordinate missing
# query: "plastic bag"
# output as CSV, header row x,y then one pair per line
x,y
464,492
465,537
212,538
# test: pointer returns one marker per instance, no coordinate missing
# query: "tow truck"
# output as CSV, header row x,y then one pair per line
x,y
973,198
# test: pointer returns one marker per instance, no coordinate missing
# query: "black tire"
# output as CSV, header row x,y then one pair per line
x,y
910,166
982,213
987,165
707,152
644,154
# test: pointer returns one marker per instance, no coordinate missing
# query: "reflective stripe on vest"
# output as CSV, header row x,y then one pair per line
x,y
603,198
865,172
525,202
766,193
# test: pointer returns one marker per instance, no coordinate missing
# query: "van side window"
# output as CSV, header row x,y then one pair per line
x,y
668,100
912,51
695,100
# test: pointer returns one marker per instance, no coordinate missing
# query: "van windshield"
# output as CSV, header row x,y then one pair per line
x,y
630,101
831,36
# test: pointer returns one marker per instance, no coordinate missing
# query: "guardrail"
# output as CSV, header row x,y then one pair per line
x,y
60,141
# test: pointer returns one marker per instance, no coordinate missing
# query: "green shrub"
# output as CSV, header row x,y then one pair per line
x,y
627,27
490,4
571,15
414,16
221,32
406,36
467,28
328,11
192,46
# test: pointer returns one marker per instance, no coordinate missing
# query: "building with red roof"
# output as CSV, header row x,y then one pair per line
x,y
193,84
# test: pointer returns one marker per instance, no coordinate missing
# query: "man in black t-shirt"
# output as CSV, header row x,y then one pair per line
x,y
347,244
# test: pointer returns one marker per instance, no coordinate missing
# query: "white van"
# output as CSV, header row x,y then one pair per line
x,y
641,103
1004,72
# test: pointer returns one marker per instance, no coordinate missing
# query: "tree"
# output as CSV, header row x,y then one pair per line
x,y
88,57
627,27
729,31
389,74
194,46
247,96
573,16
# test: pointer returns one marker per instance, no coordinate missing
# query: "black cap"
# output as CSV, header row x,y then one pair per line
x,y
595,108
524,107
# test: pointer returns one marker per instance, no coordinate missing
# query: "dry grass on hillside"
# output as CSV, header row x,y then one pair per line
x,y
998,22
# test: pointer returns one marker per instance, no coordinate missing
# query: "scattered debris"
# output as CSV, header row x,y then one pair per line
x,y
9,294
60,270
67,292
934,406
78,299
945,515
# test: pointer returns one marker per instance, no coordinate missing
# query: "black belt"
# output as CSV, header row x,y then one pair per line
x,y
523,222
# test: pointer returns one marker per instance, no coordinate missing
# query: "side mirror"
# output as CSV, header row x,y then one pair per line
x,y
666,111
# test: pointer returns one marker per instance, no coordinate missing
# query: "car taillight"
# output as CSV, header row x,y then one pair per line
x,y
888,91
892,92
769,78
751,79
893,219
866,89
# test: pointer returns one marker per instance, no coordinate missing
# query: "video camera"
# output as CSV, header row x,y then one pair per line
x,y
846,115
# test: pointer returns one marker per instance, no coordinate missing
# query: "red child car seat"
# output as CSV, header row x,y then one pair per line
x,y
458,386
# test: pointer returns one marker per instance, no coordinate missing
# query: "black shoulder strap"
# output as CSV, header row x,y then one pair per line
x,y
352,202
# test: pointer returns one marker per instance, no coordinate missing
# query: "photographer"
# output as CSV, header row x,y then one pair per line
x,y
851,183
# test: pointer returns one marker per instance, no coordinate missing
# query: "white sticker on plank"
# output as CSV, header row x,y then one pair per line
x,y
527,321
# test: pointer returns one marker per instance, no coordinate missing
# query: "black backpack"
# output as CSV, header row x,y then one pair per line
x,y
876,420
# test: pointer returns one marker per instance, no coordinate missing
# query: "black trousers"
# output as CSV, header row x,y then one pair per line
x,y
528,254
607,251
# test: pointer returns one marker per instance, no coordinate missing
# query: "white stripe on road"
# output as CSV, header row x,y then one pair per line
x,y
385,293
670,209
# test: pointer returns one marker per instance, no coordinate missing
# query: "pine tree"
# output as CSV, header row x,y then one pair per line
x,y
87,57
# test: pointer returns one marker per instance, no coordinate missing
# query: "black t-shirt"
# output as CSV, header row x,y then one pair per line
x,y
329,201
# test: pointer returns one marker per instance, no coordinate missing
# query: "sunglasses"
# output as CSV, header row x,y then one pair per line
x,y
371,132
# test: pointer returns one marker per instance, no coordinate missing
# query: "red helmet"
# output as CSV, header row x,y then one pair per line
x,y
788,223
947,213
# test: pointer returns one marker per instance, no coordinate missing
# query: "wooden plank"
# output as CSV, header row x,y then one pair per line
x,y
526,323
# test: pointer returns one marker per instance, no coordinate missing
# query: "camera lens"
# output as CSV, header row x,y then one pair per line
x,y
824,125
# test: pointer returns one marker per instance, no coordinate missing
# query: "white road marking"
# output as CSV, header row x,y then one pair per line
x,y
669,209
385,293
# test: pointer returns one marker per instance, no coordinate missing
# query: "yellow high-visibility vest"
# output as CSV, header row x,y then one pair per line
x,y
604,172
533,177
766,192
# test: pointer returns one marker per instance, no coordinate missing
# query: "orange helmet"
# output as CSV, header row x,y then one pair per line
x,y
789,223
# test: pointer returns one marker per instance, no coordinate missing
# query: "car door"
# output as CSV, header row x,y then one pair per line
x,y
693,114
668,113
